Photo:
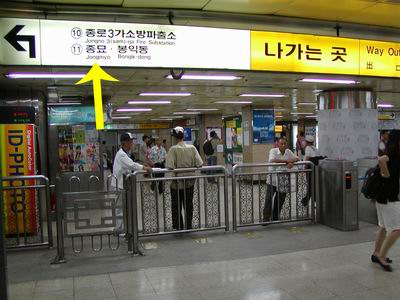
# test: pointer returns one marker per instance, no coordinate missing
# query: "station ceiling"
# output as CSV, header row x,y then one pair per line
x,y
204,92
296,103
370,12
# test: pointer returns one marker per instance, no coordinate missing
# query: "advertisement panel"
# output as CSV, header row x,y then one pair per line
x,y
17,142
233,140
263,126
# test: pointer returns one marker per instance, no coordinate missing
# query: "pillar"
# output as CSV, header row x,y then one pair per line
x,y
348,124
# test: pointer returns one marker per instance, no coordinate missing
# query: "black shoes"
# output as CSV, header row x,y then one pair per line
x,y
387,268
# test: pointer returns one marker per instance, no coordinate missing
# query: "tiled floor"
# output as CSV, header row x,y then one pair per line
x,y
343,272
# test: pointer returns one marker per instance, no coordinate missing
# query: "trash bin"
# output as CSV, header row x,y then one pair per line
x,y
338,194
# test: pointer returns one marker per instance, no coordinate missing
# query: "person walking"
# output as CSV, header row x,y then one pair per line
x,y
157,158
179,156
123,164
278,185
387,203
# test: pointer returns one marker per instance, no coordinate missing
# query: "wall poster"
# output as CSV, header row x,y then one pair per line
x,y
233,140
17,144
78,148
263,126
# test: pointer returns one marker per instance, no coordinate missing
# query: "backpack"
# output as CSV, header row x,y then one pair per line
x,y
372,184
208,148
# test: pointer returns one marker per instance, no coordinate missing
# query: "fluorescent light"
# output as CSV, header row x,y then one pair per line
x,y
307,103
300,113
234,102
313,116
133,109
384,105
148,102
327,80
186,113
278,116
171,117
207,77
162,119
280,109
263,95
202,109
63,103
121,118
44,75
165,94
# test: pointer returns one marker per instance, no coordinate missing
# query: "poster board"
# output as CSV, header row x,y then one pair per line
x,y
78,148
263,126
233,140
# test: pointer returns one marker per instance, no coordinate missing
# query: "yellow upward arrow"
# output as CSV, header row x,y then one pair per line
x,y
97,74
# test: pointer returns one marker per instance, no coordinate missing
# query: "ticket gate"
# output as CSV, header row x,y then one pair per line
x,y
366,208
338,194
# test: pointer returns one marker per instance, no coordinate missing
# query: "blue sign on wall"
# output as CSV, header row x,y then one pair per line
x,y
68,115
263,126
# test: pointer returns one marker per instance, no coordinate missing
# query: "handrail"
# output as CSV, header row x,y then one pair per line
x,y
235,173
46,185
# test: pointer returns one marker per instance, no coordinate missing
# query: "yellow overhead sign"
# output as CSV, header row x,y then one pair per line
x,y
379,58
288,52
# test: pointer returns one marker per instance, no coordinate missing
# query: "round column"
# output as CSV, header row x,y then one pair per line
x,y
348,124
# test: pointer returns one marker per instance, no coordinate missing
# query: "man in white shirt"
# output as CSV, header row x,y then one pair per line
x,y
123,164
180,156
278,184
311,150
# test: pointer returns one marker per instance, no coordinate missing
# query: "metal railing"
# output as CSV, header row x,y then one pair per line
x,y
270,193
90,219
185,200
27,229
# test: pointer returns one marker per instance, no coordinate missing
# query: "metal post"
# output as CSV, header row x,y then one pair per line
x,y
3,262
226,199
314,192
134,222
60,258
128,210
48,215
234,226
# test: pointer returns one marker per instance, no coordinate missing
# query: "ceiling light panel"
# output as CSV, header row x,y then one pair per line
x,y
263,95
171,94
206,77
133,109
134,102
44,75
327,80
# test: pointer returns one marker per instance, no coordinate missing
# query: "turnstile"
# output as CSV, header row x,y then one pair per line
x,y
338,194
366,208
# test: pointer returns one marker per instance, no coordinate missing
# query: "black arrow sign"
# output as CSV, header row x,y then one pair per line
x,y
13,38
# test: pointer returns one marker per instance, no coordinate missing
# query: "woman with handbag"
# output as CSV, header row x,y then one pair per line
x,y
387,202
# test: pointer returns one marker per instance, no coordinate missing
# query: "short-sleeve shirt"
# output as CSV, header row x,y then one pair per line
x,y
183,156
142,152
157,154
281,180
390,188
311,151
123,164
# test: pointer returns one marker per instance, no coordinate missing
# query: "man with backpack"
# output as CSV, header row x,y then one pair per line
x,y
210,150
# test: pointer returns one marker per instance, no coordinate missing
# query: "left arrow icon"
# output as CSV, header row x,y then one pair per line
x,y
13,38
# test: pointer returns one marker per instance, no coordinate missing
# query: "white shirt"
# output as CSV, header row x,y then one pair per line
x,y
311,151
123,164
275,153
